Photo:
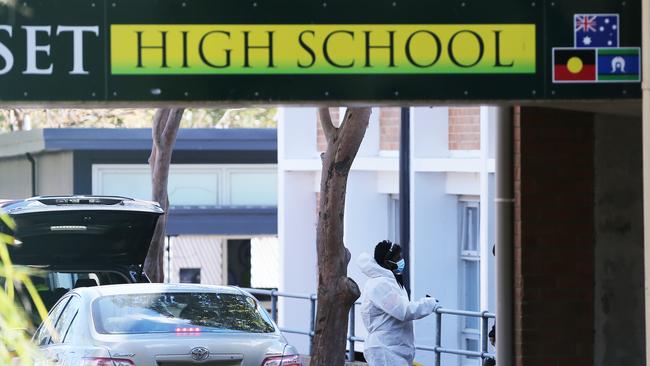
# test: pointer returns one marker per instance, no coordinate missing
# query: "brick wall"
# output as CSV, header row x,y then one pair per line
x,y
389,126
554,237
465,128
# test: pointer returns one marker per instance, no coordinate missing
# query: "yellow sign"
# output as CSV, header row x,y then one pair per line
x,y
323,49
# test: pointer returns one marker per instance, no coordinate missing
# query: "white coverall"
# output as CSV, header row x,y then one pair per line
x,y
388,316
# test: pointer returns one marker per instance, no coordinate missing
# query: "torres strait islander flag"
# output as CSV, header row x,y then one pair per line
x,y
573,64
619,64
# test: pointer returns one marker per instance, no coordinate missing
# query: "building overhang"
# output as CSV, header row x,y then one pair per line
x,y
133,139
232,221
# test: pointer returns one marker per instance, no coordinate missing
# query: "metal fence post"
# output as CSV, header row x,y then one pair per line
x,y
312,321
351,334
438,336
274,305
484,334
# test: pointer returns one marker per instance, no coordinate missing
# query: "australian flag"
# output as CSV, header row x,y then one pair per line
x,y
596,30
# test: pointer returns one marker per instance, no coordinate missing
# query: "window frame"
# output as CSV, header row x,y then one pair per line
x,y
394,222
466,255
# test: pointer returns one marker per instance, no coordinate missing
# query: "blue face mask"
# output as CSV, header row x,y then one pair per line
x,y
401,264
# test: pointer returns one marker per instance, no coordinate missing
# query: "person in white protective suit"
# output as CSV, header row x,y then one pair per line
x,y
386,310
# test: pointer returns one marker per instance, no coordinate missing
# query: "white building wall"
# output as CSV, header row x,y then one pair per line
x,y
209,253
435,265
439,178
297,217
265,262
205,252
366,224
370,144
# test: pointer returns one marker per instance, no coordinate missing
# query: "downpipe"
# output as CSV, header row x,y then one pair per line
x,y
32,163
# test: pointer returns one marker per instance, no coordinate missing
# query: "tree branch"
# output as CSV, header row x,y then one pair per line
x,y
352,131
159,122
356,114
326,122
172,124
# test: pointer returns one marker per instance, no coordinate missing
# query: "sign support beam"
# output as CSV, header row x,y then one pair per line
x,y
504,237
645,90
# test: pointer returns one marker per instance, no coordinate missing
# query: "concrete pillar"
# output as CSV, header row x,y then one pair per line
x,y
504,237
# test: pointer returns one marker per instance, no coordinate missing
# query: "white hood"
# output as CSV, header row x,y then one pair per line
x,y
370,268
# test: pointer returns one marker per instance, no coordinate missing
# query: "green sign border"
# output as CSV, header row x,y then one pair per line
x,y
553,20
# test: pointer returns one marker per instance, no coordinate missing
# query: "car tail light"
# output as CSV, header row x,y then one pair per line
x,y
188,330
293,360
103,361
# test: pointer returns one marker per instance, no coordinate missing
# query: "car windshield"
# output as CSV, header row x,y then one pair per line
x,y
175,312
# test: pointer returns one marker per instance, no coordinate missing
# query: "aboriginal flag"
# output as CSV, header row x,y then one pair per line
x,y
574,65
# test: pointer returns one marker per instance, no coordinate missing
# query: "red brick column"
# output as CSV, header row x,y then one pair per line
x,y
465,128
554,237
389,128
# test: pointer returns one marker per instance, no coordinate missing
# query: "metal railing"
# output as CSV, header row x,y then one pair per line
x,y
438,349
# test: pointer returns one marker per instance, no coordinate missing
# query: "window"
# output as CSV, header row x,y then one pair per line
x,y
190,275
56,284
193,184
470,276
67,316
393,218
43,336
250,187
174,312
72,329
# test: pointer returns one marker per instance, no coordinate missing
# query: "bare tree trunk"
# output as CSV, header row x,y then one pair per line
x,y
336,291
166,123
18,119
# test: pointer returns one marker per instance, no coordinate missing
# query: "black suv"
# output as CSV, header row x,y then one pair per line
x,y
81,241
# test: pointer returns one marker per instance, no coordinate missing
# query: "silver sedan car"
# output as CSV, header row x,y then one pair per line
x,y
162,325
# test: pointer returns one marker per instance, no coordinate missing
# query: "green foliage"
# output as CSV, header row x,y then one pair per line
x,y
22,119
16,347
230,118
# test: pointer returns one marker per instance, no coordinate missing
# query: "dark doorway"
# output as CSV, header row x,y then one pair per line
x,y
239,262
190,275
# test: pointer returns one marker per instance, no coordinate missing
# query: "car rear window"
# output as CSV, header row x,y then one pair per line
x,y
179,312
